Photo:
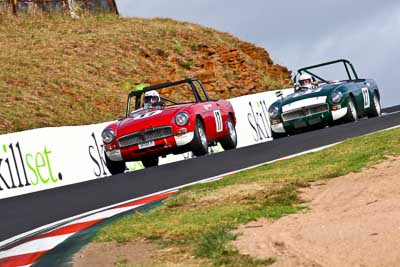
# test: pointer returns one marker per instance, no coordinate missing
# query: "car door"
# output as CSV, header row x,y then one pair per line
x,y
212,114
363,97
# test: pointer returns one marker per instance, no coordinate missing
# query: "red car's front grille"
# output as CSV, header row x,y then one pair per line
x,y
144,136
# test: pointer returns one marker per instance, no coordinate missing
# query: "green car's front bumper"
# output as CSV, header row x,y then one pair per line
x,y
308,122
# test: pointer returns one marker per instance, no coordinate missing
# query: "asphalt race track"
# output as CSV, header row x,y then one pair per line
x,y
27,212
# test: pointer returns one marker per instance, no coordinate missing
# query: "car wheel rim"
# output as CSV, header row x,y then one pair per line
x,y
353,110
203,137
377,105
232,131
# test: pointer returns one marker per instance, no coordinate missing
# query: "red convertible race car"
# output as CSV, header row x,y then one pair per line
x,y
173,117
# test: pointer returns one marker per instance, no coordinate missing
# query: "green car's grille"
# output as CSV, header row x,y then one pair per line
x,y
144,136
304,112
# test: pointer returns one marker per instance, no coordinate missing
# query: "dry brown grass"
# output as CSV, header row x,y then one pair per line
x,y
59,71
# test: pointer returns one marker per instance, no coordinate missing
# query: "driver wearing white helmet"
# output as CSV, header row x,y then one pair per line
x,y
305,81
150,98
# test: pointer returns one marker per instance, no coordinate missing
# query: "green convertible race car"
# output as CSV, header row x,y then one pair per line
x,y
317,102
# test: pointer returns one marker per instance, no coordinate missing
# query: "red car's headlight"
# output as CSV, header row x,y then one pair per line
x,y
108,135
182,118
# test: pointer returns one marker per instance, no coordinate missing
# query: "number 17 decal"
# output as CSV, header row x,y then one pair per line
x,y
218,120
366,97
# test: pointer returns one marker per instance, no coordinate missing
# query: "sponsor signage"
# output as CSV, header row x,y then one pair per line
x,y
253,125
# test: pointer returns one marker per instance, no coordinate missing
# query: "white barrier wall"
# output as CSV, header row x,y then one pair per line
x,y
46,158
253,125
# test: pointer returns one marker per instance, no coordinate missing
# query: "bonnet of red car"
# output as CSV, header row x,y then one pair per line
x,y
150,118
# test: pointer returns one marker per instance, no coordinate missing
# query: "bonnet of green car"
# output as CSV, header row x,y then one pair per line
x,y
325,90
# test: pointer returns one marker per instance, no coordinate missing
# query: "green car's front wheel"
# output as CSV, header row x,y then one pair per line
x,y
351,114
278,135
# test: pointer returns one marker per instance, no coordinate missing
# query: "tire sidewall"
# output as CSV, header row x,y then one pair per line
x,y
351,114
232,130
376,110
114,167
150,162
198,147
229,142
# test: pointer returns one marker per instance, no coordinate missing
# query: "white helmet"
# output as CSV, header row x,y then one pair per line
x,y
305,80
151,97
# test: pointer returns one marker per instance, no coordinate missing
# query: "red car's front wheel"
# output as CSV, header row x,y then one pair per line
x,y
199,143
115,167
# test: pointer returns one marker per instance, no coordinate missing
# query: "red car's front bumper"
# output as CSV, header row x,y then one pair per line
x,y
161,147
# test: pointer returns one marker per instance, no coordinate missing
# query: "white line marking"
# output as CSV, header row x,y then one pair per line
x,y
218,177
102,215
390,113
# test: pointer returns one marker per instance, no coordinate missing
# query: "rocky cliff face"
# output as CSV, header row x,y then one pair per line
x,y
226,72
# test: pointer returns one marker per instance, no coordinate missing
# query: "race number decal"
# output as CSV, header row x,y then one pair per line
x,y
218,120
365,94
147,114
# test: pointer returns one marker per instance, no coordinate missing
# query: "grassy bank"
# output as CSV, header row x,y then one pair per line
x,y
196,224
59,71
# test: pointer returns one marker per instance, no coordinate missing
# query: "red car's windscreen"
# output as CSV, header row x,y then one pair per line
x,y
173,95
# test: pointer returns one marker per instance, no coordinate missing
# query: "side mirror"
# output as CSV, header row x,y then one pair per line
x,y
120,118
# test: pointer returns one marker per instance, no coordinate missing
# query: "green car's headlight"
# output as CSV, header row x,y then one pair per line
x,y
273,112
182,118
108,135
336,97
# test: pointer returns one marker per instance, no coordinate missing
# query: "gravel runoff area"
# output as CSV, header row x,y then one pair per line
x,y
352,220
